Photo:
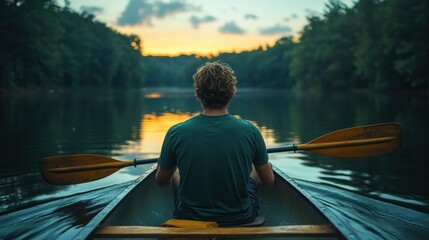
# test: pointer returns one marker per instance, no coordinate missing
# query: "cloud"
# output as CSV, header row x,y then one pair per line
x,y
275,30
251,16
143,11
91,9
136,12
195,21
163,9
231,27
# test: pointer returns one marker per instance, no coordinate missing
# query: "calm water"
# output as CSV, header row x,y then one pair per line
x,y
131,124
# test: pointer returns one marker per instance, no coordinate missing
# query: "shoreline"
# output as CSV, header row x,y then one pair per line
x,y
36,91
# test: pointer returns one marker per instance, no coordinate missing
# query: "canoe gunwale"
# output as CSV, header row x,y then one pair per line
x,y
92,226
341,227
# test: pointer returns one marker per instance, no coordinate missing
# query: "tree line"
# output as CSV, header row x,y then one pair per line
x,y
260,68
374,44
46,46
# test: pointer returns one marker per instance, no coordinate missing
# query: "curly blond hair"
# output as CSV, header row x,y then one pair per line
x,y
215,84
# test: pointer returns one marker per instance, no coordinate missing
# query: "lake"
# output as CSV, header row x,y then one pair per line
x,y
131,124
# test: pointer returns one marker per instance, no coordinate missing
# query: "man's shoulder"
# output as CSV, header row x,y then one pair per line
x,y
183,124
245,122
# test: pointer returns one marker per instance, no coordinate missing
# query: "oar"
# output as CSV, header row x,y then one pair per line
x,y
362,141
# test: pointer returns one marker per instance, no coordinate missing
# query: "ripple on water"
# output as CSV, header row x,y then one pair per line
x,y
61,218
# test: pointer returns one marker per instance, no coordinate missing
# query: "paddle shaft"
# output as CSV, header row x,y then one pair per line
x,y
308,146
314,146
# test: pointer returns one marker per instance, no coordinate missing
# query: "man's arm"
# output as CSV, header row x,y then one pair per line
x,y
265,173
163,175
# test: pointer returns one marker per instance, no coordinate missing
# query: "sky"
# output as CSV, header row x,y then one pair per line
x,y
203,27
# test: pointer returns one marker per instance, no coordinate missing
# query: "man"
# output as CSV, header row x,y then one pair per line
x,y
220,158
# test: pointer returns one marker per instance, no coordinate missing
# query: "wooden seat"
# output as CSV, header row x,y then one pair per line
x,y
232,232
258,222
182,223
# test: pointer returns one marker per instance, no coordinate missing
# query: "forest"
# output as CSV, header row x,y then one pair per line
x,y
45,46
372,45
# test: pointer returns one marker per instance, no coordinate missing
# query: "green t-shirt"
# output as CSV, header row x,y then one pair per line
x,y
214,155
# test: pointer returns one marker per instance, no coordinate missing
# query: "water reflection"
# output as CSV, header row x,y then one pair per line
x,y
153,128
132,124
123,125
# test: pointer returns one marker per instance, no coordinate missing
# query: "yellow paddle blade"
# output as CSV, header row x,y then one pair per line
x,y
363,141
79,168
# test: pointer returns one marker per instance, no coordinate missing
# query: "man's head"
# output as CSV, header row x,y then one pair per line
x,y
215,84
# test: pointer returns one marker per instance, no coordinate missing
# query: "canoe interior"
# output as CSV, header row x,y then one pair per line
x,y
150,205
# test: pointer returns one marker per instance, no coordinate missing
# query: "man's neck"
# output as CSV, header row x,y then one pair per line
x,y
215,111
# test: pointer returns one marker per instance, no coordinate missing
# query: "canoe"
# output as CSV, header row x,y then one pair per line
x,y
288,209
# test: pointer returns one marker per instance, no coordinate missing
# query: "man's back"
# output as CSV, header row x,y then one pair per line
x,y
215,156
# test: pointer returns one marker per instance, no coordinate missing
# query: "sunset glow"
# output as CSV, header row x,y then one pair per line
x,y
158,42
153,128
173,27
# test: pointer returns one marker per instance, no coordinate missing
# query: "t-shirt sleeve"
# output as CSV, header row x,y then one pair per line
x,y
261,155
166,159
